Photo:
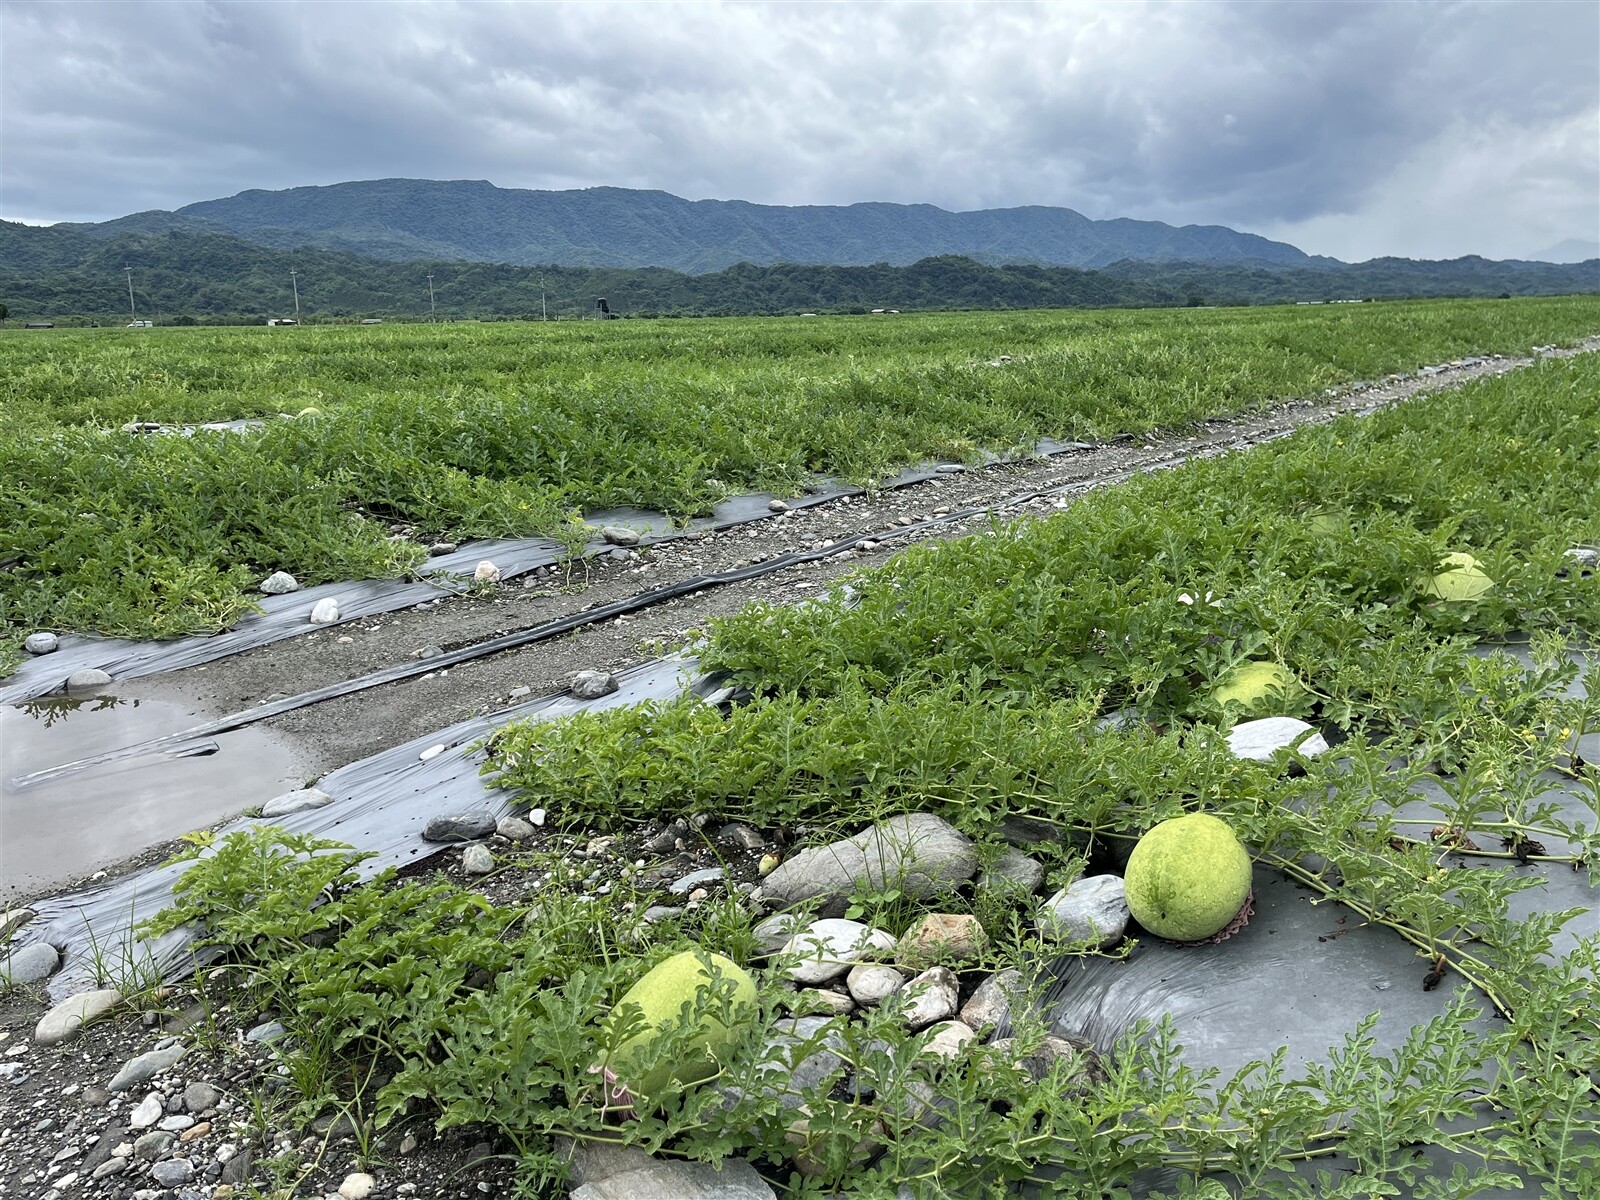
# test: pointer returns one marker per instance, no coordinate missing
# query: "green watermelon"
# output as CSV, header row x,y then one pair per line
x,y
1188,878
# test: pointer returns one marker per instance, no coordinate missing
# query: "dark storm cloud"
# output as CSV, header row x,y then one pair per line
x,y
1353,129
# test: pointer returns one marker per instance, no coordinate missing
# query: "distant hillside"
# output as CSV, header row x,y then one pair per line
x,y
413,219
1378,278
58,272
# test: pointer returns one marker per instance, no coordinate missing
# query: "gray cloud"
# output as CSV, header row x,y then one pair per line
x,y
1352,129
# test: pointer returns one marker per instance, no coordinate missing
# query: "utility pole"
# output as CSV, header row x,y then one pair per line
x,y
132,315
544,313
295,284
431,317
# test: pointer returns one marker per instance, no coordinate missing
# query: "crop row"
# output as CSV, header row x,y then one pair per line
x,y
467,431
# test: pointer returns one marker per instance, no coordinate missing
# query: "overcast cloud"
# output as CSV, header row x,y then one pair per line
x,y
1426,130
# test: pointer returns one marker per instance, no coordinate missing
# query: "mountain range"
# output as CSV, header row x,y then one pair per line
x,y
475,221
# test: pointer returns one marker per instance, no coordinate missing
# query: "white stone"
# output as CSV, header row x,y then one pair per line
x,y
72,1014
357,1186
296,801
827,948
1093,909
431,752
29,964
1260,740
477,860
279,583
486,572
930,997
325,611
946,1039
90,679
871,984
151,1109
41,643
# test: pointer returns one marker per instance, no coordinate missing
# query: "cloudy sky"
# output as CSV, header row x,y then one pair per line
x,y
1421,129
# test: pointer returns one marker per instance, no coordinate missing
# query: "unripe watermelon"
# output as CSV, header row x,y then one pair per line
x,y
1188,878
661,993
1255,686
1462,578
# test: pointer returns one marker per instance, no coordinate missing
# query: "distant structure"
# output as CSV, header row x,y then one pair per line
x,y
605,310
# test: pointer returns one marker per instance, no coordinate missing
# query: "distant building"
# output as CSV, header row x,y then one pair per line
x,y
40,325
140,324
282,321
372,320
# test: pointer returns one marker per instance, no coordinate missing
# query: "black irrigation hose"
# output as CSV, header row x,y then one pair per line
x,y
176,743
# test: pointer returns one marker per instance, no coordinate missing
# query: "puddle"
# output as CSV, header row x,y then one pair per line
x,y
69,827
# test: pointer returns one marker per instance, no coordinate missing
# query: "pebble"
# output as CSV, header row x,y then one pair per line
x,y
871,984
438,548
325,611
930,997
466,826
947,1038
357,1186
777,506
66,1019
591,685
477,860
694,879
619,535
174,1172
513,829
177,1124
432,752
41,643
87,680
29,964
195,1132
486,572
989,1006
1093,909
536,816
279,583
953,939
267,1031
140,1070
150,1110
298,800
828,948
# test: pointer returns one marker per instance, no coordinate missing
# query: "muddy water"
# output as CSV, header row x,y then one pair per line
x,y
69,827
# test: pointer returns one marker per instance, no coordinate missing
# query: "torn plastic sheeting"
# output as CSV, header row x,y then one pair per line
x,y
380,805
288,615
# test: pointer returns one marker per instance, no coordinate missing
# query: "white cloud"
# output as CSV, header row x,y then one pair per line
x,y
1363,128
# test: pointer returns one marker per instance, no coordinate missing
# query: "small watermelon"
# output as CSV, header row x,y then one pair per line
x,y
1254,686
1188,878
1460,577
662,994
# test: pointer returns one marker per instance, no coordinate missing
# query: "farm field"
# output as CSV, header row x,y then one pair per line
x,y
464,431
1075,677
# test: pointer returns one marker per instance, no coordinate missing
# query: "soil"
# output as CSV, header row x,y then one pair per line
x,y
55,1114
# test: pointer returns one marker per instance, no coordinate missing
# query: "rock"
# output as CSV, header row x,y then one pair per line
x,y
72,1014
591,685
946,1039
663,1179
773,934
740,837
41,643
536,817
279,583
838,1004
929,997
476,859
1261,739
1014,873
942,939
777,506
267,1032
112,1166
153,1145
827,948
1587,557
803,1055
150,1110
513,829
989,1006
694,879
177,1123
142,1069
29,964
1038,1063
200,1098
486,572
325,611
174,1172
296,801
357,1186
1093,909
920,854
90,679
1019,829
438,548
871,984
432,752
237,1169
619,535
658,913
195,1132
466,826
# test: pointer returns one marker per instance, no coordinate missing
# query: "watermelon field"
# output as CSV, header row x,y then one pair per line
x,y
1232,830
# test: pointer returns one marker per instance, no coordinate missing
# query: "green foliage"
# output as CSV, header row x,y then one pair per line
x,y
502,431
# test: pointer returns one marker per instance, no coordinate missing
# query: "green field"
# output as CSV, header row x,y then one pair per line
x,y
466,430
970,679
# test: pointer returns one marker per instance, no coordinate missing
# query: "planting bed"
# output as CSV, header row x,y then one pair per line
x,y
998,719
